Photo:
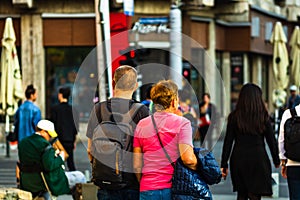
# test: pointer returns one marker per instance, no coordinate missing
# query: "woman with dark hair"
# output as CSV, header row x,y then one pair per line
x,y
27,115
248,126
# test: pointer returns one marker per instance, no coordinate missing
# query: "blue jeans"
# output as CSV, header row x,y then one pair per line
x,y
124,194
293,179
164,194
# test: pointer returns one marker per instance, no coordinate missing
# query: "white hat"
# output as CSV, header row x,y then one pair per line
x,y
47,126
293,88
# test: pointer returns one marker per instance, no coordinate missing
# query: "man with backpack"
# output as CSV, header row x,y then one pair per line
x,y
110,138
289,153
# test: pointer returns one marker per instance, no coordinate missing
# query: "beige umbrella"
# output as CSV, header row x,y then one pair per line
x,y
295,56
11,84
11,90
280,64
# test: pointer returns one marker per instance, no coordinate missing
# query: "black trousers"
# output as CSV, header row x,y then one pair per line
x,y
69,147
246,196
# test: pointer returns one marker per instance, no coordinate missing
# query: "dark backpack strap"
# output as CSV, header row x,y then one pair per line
x,y
293,112
102,112
130,115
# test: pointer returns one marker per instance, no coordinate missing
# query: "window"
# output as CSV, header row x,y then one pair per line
x,y
62,65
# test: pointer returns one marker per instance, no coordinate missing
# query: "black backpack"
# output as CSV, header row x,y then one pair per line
x,y
112,148
292,136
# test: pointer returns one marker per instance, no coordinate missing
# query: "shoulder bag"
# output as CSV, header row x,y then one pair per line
x,y
186,183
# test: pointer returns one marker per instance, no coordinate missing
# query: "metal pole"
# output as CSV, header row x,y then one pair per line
x,y
6,134
176,46
105,33
100,54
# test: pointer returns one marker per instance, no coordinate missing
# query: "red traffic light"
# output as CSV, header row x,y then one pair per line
x,y
186,73
132,53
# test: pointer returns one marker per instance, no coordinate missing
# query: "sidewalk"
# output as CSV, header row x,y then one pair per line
x,y
233,197
215,197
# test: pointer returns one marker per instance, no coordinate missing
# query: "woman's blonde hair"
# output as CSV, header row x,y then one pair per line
x,y
162,94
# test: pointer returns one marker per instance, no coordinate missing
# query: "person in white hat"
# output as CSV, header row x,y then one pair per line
x,y
37,155
294,97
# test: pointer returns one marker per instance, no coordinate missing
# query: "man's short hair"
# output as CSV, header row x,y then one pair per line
x,y
125,78
29,91
65,91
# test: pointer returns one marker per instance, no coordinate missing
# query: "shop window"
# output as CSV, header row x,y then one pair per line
x,y
268,30
237,70
255,27
285,30
62,65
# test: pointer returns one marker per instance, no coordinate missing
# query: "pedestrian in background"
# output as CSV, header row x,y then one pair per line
x,y
187,110
66,121
151,165
207,112
125,83
27,115
248,127
294,98
290,168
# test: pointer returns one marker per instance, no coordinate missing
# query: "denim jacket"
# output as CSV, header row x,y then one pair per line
x,y
26,119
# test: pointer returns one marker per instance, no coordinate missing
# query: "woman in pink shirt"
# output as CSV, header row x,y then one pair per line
x,y
152,167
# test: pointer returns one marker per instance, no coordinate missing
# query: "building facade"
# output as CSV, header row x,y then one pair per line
x,y
54,37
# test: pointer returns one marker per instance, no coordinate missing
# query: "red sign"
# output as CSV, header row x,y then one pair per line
x,y
118,24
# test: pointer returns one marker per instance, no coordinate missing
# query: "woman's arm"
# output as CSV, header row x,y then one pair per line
x,y
271,141
187,156
137,162
228,143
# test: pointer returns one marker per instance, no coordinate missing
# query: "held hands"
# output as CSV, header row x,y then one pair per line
x,y
283,168
283,171
60,153
224,173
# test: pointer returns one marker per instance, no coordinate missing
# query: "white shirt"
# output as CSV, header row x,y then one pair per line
x,y
286,115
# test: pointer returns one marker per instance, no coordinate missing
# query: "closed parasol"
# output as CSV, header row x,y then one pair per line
x,y
280,64
295,57
11,90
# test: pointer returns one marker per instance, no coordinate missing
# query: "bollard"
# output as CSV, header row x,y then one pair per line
x,y
7,146
275,186
87,175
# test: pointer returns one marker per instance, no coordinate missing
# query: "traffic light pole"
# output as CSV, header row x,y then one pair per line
x,y
106,44
176,46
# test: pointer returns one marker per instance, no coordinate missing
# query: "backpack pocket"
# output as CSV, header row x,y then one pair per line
x,y
107,165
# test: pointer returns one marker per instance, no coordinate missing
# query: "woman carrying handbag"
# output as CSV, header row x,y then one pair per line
x,y
153,169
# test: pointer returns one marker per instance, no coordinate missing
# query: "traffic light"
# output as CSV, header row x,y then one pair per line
x,y
130,57
186,71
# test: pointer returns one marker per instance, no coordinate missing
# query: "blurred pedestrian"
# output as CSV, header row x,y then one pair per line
x,y
248,127
125,83
151,165
27,115
207,112
187,110
66,121
147,101
294,98
290,168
